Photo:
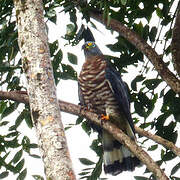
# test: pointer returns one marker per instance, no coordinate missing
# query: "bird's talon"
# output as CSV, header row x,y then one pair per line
x,y
104,117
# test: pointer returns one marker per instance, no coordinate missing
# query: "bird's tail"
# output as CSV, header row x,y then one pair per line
x,y
117,158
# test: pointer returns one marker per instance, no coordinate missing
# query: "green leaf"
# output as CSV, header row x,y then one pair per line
x,y
35,156
146,32
4,174
37,177
153,147
168,156
83,173
139,109
12,143
138,28
9,110
85,177
67,127
22,175
151,84
96,146
10,135
57,58
68,72
79,120
123,2
140,178
26,144
3,106
145,125
17,157
33,145
19,166
70,29
159,12
72,58
134,82
53,47
51,14
28,119
97,170
86,161
19,119
86,127
11,168
4,123
145,103
152,34
175,168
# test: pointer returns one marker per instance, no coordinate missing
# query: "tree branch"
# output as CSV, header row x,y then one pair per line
x,y
176,41
117,133
146,49
159,140
21,97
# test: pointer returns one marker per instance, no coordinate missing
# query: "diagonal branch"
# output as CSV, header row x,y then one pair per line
x,y
21,97
146,49
159,140
117,133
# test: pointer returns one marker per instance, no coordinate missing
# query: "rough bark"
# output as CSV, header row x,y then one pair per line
x,y
146,49
176,41
45,111
118,134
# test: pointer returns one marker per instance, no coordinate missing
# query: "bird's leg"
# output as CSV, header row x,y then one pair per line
x,y
104,118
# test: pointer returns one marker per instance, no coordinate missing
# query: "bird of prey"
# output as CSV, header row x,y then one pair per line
x,y
102,89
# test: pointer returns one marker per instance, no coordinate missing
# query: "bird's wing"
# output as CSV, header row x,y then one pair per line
x,y
120,92
81,99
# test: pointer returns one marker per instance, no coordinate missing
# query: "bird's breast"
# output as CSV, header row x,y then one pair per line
x,y
95,88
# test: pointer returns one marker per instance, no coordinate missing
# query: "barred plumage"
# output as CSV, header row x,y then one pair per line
x,y
102,89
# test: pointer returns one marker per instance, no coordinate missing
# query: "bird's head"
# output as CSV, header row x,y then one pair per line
x,y
91,49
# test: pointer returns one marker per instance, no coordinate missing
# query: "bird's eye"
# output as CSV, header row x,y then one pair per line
x,y
93,45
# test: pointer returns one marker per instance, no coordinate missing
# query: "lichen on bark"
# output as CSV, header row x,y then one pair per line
x,y
45,111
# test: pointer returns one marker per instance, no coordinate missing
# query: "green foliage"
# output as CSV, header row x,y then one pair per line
x,y
72,58
91,173
148,92
37,177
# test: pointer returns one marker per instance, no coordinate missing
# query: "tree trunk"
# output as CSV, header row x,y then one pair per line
x,y
45,112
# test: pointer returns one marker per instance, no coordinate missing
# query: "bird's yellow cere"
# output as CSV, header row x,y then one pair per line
x,y
90,44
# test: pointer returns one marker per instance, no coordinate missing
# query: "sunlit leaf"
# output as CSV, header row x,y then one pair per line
x,y
22,175
72,58
4,174
38,177
17,157
86,161
175,168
